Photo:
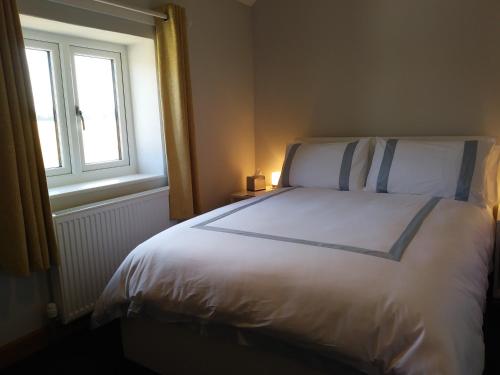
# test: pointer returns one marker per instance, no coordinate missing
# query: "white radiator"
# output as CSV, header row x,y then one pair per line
x,y
93,240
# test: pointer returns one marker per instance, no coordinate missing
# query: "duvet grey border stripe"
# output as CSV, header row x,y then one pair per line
x,y
285,175
345,169
265,198
466,170
299,241
411,230
385,167
395,253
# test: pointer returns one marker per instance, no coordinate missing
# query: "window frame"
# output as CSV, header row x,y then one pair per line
x,y
58,104
119,102
80,172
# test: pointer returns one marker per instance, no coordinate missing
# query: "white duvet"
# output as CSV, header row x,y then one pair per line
x,y
394,283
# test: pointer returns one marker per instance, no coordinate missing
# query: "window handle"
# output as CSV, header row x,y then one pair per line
x,y
79,113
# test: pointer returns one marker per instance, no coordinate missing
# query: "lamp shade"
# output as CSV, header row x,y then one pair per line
x,y
275,178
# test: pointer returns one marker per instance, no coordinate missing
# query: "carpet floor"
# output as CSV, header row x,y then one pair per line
x,y
89,352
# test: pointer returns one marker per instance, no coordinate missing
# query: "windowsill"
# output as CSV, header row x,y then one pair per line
x,y
68,196
108,183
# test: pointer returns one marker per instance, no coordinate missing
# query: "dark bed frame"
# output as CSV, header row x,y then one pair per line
x,y
168,348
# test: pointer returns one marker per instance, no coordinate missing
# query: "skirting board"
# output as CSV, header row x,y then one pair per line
x,y
173,349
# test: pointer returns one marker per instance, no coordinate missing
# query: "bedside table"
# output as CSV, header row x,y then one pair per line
x,y
246,194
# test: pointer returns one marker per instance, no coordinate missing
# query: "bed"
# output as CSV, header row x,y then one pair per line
x,y
310,280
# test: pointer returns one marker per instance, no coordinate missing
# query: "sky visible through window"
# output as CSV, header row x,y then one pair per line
x,y
41,84
96,93
96,99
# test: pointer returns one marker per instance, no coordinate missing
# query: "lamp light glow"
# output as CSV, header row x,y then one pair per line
x,y
275,178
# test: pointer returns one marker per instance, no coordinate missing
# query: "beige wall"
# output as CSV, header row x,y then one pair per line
x,y
364,67
220,47
22,307
222,73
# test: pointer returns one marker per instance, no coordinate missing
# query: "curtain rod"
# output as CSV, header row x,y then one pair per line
x,y
147,12
132,13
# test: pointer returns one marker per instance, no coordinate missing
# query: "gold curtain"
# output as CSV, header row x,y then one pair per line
x,y
175,92
27,240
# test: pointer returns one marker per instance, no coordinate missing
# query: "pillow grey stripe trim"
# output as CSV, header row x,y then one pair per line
x,y
285,174
466,171
395,253
385,167
345,169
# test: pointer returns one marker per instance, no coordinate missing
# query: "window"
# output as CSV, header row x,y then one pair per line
x,y
49,106
82,107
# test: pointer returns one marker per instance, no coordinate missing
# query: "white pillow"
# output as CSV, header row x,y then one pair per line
x,y
339,165
447,169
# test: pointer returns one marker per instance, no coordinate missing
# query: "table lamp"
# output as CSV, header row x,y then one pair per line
x,y
275,178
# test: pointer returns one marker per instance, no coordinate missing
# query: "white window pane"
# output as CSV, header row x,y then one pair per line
x,y
41,85
95,83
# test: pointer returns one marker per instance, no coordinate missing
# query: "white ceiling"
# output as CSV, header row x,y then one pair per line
x,y
248,2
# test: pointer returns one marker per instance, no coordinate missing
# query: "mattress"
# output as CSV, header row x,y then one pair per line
x,y
392,283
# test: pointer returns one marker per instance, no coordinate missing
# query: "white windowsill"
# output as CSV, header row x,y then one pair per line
x,y
98,185
68,196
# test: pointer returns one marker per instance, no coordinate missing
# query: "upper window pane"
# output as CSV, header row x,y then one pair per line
x,y
95,81
43,94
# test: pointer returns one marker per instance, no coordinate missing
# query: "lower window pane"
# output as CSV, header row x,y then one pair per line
x,y
41,85
95,83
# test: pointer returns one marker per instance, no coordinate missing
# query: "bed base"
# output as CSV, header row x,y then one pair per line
x,y
175,349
